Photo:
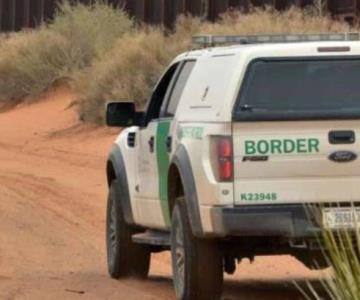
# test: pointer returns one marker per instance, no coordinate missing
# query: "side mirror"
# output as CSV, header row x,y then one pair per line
x,y
122,114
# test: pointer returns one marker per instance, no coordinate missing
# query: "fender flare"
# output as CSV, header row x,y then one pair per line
x,y
116,162
182,161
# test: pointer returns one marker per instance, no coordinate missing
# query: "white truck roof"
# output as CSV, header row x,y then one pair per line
x,y
291,43
214,83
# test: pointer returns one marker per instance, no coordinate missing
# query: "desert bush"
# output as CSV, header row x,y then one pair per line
x,y
32,61
103,55
271,21
131,69
128,72
91,29
133,66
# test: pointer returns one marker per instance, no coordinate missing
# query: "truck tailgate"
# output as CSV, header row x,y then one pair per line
x,y
296,161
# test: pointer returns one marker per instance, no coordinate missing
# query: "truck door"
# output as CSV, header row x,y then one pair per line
x,y
147,189
155,150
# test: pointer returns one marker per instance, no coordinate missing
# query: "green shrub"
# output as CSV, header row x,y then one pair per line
x,y
342,253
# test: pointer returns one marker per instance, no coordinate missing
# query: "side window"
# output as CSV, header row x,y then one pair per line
x,y
158,95
179,87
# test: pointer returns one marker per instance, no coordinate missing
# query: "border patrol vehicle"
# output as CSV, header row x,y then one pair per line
x,y
239,137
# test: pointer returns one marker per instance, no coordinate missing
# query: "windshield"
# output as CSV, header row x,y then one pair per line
x,y
300,89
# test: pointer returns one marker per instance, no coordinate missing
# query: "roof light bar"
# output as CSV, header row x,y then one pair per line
x,y
216,40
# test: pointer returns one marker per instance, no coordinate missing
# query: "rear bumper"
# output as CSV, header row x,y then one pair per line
x,y
288,221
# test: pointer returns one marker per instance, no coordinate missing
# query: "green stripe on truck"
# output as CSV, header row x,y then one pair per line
x,y
163,161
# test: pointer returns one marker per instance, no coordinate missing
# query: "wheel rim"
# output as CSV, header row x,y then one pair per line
x,y
179,254
112,233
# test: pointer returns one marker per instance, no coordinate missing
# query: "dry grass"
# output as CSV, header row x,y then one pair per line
x,y
27,67
342,253
91,29
271,21
32,61
132,68
121,73
100,52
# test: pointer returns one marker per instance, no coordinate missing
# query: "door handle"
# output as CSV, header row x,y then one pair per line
x,y
168,143
342,137
151,144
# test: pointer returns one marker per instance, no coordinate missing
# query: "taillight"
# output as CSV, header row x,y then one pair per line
x,y
225,158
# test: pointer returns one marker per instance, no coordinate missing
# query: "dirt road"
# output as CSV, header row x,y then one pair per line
x,y
52,207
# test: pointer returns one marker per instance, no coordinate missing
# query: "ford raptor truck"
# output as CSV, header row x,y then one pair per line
x,y
239,137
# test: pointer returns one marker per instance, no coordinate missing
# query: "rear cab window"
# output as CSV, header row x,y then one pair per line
x,y
300,89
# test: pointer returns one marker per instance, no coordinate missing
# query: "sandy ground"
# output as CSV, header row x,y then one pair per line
x,y
52,208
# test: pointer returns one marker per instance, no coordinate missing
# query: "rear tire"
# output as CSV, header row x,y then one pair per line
x,y
124,258
197,263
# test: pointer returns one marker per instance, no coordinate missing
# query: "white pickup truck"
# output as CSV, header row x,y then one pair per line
x,y
235,142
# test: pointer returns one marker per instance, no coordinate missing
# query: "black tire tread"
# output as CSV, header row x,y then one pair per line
x,y
204,281
132,260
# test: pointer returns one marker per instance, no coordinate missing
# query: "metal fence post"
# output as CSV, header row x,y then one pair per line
x,y
26,13
1,15
12,15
